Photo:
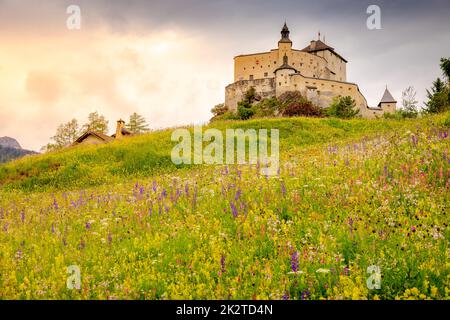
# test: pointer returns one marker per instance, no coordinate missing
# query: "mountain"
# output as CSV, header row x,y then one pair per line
x,y
10,149
8,142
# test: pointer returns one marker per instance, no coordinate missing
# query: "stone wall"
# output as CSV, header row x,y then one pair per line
x,y
235,92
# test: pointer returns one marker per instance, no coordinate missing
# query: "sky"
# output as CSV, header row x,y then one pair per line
x,y
171,60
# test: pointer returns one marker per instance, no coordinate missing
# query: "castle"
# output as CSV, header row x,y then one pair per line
x,y
317,71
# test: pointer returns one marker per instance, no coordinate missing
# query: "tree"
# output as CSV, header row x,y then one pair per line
x,y
343,107
245,110
439,102
438,97
96,123
219,109
409,103
267,108
66,134
137,124
445,66
438,86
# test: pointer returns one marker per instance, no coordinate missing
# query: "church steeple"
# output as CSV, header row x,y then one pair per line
x,y
285,34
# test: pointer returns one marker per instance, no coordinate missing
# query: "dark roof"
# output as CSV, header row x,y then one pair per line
x,y
387,98
125,132
99,135
285,65
320,46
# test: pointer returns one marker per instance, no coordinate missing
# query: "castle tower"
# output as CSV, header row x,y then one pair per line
x,y
388,103
285,44
283,76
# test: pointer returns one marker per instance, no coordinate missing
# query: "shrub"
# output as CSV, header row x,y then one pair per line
x,y
267,108
245,111
343,107
292,104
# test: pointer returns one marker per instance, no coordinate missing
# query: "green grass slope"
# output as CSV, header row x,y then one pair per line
x,y
149,154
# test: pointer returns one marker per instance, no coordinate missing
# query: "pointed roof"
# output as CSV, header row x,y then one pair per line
x,y
319,45
99,135
285,34
387,97
285,65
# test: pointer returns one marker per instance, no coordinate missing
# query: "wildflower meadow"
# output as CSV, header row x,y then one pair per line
x,y
348,195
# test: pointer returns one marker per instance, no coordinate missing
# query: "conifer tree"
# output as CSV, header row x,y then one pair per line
x,y
137,124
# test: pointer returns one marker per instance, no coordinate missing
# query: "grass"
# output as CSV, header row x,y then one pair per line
x,y
149,155
349,195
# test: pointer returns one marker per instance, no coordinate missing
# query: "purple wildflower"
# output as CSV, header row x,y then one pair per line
x,y
186,189
164,193
233,209
294,261
238,194
154,186
285,296
22,215
305,294
55,204
283,188
88,225
222,264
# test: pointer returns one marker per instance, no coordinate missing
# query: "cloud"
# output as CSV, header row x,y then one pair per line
x,y
44,87
170,60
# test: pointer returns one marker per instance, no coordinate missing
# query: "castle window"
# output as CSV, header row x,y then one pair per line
x,y
251,77
279,83
265,74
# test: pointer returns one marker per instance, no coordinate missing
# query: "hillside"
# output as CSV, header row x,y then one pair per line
x,y
349,195
149,155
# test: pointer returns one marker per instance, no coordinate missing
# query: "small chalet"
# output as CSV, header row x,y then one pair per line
x,y
92,137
